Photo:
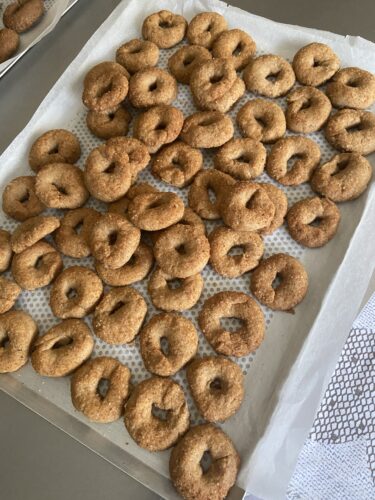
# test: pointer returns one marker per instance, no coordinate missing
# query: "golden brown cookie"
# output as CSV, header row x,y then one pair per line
x,y
261,120
62,349
17,333
315,63
136,269
224,240
352,88
23,14
9,292
5,250
312,222
87,397
217,387
154,211
185,60
119,315
137,54
207,129
181,252
32,230
158,126
75,292
152,87
243,159
344,177
247,207
61,185
243,340
148,430
204,28
269,75
177,164
168,341
206,182
352,130
187,475
236,46
165,295
54,146
9,43
20,200
279,282
37,266
110,123
308,110
113,240
305,153
164,28
72,238
280,201
105,86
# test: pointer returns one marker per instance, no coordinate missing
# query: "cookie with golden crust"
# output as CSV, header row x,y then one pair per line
x,y
9,292
164,28
315,63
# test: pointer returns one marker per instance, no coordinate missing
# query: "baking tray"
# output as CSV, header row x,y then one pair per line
x,y
287,375
21,54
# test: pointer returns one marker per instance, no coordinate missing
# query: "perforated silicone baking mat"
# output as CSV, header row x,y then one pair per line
x,y
269,371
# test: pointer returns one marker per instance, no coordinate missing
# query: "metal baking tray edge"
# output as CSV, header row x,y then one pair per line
x,y
5,70
95,441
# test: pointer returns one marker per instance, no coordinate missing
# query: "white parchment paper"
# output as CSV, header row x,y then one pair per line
x,y
54,10
287,376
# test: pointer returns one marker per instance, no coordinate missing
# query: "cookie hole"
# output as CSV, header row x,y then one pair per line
x,y
60,189
165,24
236,250
273,76
132,261
116,307
243,158
154,204
176,164
38,262
353,83
78,227
238,49
211,195
161,126
174,284
63,342
316,222
25,197
181,249
252,202
206,461
356,127
216,78
135,50
340,166
188,59
292,161
207,121
260,121
53,150
231,324
216,384
112,238
159,413
102,388
104,90
4,342
277,281
209,27
111,116
110,169
72,293
153,86
305,104
164,346
316,63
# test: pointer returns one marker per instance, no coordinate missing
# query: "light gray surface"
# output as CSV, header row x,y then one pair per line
x,y
37,461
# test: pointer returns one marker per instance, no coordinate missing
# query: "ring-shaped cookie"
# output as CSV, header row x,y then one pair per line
x,y
243,340
279,282
176,331
85,389
148,430
155,211
223,240
313,222
62,349
344,177
188,476
164,28
61,185
75,292
54,146
137,54
242,158
119,315
105,86
236,46
20,200
269,75
152,87
302,151
37,266
32,230
204,28
185,60
110,123
20,16
158,126
315,63
352,88
308,109
261,120
217,386
18,330
352,130
207,129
